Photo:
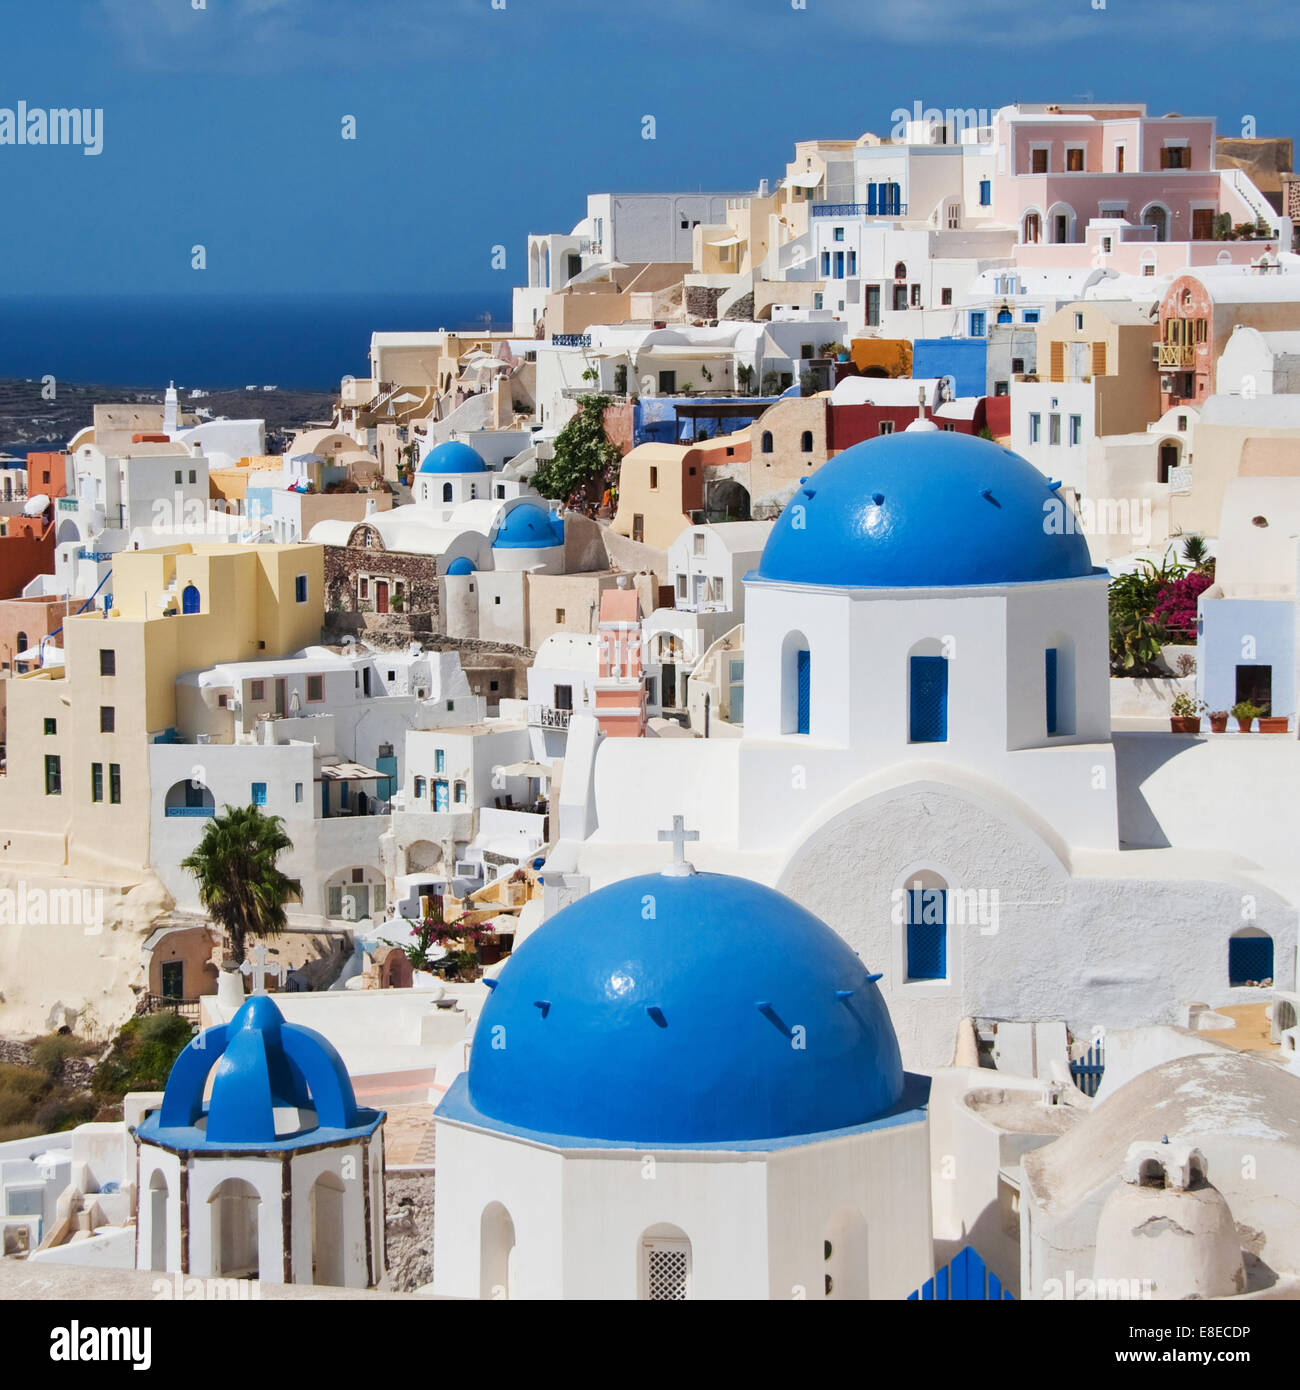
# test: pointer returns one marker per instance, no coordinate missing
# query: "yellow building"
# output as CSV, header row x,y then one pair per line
x,y
76,787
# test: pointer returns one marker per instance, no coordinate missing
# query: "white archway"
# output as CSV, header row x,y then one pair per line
x,y
496,1253
327,1247
235,1208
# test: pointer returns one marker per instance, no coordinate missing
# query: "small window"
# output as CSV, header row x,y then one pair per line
x,y
53,775
107,719
1076,431
766,444
654,479
256,690
1030,316
51,726
945,296
1074,160
1035,427
1017,366
927,934
986,192
420,788
178,477
115,783
806,442
886,427
462,794
977,322
300,588
259,793
107,661
494,685
559,615
839,233
97,781
1053,429
440,760
916,296
194,477
1038,160
315,688
698,540
223,701
297,793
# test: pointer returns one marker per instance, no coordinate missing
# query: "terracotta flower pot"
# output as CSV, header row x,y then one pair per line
x,y
1243,725
1220,725
1273,723
1185,723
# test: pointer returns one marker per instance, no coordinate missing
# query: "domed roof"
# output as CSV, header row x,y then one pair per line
x,y
693,1009
452,456
462,564
275,1085
529,528
918,510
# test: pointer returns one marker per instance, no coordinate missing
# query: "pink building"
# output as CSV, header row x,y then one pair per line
x,y
620,685
1061,167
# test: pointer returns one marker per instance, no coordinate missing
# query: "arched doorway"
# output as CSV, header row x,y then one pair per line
x,y
1250,957
1032,229
327,1230
496,1253
796,684
1170,451
190,599
235,1208
1158,217
664,1273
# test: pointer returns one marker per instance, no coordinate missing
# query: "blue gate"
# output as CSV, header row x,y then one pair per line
x,y
966,1278
1088,1070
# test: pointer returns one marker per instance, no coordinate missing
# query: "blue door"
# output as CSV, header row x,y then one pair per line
x,y
803,712
929,700
440,800
385,789
190,599
1250,959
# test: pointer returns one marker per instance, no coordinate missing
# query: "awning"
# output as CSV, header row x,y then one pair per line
x,y
526,769
683,350
808,179
350,772
728,241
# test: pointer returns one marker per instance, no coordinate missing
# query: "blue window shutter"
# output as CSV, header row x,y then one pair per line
x,y
1051,690
927,934
259,793
1250,958
804,671
871,199
929,700
986,193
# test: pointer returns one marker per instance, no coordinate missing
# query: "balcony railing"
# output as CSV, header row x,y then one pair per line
x,y
68,504
548,717
884,209
571,340
1176,355
193,811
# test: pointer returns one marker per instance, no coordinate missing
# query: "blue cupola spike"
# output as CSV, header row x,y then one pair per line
x,y
1054,485
878,498
722,963
489,983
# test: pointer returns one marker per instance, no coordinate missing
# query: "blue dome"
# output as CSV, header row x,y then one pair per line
x,y
924,509
691,1009
453,457
462,564
529,528
260,1065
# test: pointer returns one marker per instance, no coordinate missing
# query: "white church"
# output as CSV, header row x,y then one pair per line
x,y
927,765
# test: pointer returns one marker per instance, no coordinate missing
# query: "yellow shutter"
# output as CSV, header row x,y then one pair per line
x,y
1058,361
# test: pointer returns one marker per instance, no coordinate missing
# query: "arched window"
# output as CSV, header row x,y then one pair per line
x,y
927,697
446,492
766,445
1157,217
235,1207
496,1253
189,599
1032,232
327,1230
796,685
900,271
157,1221
665,1272
1004,315
1250,957
806,442
926,946
21,647
1058,686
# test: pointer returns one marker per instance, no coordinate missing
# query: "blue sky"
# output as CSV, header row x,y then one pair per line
x,y
475,125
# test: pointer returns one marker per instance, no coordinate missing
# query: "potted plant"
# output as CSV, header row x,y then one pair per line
x,y
1272,723
1185,714
1218,720
1245,714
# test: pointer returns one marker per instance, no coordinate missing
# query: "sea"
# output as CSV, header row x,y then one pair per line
x,y
303,343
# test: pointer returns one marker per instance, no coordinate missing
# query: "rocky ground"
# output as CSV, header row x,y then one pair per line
x,y
29,422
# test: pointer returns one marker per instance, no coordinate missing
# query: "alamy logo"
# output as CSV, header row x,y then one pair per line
x,y
59,125
52,907
77,1343
956,120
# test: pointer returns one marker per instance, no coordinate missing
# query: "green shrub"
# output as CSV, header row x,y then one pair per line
x,y
141,1056
50,1052
21,1090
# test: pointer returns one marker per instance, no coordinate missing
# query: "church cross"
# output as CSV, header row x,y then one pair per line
x,y
678,837
259,967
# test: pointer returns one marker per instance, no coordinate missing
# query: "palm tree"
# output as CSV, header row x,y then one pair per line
x,y
1195,551
239,883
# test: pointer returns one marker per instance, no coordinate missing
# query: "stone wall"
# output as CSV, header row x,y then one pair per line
x,y
408,1227
345,564
743,309
702,301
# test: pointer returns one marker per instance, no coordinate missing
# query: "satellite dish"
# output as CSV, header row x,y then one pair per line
x,y
35,506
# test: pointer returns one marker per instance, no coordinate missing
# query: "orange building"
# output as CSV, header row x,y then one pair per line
x,y
26,550
620,686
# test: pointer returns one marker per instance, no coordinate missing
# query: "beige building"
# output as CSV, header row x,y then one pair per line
x,y
1232,430
75,792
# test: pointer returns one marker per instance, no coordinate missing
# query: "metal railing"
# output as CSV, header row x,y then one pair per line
x,y
1176,355
882,209
162,1003
192,811
548,717
571,340
68,504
